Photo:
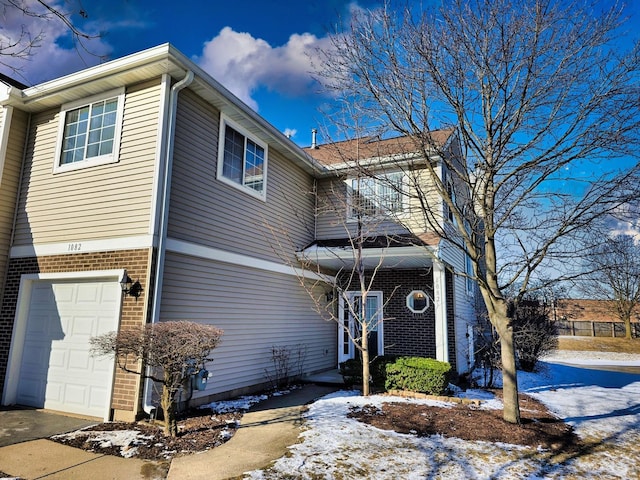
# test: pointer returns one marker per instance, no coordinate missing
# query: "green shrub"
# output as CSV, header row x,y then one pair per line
x,y
351,371
379,369
417,374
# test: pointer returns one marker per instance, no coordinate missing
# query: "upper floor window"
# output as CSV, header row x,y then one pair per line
x,y
242,160
376,196
89,132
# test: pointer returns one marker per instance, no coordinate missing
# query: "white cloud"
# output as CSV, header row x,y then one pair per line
x,y
290,132
55,53
243,63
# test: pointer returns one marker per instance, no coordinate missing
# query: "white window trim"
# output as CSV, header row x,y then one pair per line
x,y
224,121
349,296
405,203
409,301
112,157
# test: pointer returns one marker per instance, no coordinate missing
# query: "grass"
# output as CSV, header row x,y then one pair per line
x,y
599,344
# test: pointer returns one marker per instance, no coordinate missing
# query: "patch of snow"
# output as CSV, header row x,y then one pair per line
x,y
235,405
603,407
127,440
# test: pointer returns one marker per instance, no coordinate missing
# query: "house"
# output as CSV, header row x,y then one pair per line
x,y
589,317
419,285
147,170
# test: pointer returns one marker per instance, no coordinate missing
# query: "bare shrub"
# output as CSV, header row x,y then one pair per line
x,y
282,357
173,351
535,334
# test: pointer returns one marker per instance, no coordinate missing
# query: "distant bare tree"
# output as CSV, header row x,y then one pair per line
x,y
173,351
21,43
545,101
613,267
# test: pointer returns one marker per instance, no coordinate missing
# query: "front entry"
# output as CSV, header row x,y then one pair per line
x,y
350,327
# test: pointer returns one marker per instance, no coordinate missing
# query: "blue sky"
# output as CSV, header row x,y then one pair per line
x,y
258,49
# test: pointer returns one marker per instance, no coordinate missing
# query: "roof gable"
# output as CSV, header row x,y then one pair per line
x,y
366,148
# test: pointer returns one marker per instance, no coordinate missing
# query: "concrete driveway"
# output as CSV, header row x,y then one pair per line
x,y
23,424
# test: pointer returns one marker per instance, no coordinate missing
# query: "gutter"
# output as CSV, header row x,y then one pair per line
x,y
164,219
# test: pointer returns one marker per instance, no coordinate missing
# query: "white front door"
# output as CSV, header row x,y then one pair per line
x,y
350,326
57,371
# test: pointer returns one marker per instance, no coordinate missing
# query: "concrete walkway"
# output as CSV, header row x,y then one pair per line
x,y
263,436
45,459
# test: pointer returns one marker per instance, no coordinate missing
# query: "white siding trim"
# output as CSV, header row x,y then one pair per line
x,y
210,253
5,126
82,246
440,310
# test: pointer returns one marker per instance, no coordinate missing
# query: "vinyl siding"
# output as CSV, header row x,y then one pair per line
x,y
332,214
9,184
209,212
255,308
464,308
98,202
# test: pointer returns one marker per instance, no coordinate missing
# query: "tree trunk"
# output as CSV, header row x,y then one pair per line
x,y
511,411
499,318
168,411
627,327
365,359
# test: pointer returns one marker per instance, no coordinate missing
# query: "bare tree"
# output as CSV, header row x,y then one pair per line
x,y
545,103
169,353
613,267
24,23
341,293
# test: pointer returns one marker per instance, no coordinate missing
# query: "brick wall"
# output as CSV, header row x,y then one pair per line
x,y
134,312
405,332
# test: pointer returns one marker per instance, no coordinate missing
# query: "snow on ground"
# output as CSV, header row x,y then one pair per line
x,y
240,404
603,407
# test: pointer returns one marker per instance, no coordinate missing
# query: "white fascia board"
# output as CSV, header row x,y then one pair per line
x,y
109,69
346,253
6,113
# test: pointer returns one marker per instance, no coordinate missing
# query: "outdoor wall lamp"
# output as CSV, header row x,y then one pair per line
x,y
129,287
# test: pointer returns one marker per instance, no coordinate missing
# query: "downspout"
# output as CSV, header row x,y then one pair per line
x,y
164,219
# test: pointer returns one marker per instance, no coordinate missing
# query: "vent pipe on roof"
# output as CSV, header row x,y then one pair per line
x,y
314,138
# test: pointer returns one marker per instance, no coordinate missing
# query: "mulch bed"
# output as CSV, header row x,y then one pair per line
x,y
539,427
200,430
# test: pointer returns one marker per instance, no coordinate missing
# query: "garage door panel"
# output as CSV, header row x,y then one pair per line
x,y
96,396
75,394
82,326
63,316
63,293
33,391
57,359
54,393
101,365
78,360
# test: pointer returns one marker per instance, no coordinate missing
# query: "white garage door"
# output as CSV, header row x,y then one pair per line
x,y
57,372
